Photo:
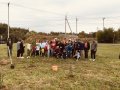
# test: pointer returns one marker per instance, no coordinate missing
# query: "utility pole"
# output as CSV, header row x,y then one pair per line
x,y
69,25
8,20
103,22
11,61
76,25
65,25
66,22
113,37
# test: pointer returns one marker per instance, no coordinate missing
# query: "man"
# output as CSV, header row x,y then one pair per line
x,y
9,46
93,50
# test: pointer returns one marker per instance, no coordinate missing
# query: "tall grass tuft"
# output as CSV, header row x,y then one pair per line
x,y
1,80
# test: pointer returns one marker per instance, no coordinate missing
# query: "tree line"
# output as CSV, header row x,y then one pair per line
x,y
15,33
108,35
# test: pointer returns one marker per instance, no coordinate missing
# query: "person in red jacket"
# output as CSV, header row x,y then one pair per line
x,y
53,46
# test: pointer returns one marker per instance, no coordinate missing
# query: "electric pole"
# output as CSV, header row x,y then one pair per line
x,y
76,25
66,22
103,23
65,25
69,25
8,20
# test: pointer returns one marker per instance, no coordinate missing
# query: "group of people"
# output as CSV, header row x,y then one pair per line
x,y
62,49
56,48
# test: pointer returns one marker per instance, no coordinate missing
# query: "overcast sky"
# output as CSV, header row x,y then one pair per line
x,y
49,15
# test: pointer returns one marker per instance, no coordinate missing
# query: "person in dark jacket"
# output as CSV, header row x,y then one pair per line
x,y
22,48
9,46
86,48
69,50
93,50
18,48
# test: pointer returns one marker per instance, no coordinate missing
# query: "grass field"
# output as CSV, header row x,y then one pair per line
x,y
36,74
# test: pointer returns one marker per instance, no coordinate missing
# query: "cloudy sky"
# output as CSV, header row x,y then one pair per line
x,y
49,15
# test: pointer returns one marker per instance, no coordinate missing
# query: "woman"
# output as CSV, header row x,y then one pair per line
x,y
86,48
93,50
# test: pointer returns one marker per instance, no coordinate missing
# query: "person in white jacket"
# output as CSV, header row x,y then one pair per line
x,y
77,55
28,50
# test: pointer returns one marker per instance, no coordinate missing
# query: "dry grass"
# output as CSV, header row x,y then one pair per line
x,y
36,74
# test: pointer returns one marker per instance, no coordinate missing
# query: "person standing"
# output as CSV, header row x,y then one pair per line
x,y
37,49
86,48
18,48
82,49
53,47
48,49
28,50
22,48
33,49
93,50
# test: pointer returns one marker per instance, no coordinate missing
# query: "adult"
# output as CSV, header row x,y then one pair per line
x,y
22,48
48,49
37,48
93,50
81,49
18,48
69,50
53,47
86,48
9,46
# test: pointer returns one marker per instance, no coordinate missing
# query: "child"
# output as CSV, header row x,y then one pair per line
x,y
77,55
28,50
43,44
64,54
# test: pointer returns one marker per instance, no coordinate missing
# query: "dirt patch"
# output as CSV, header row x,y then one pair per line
x,y
3,87
4,62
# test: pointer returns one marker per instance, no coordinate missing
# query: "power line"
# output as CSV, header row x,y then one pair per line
x,y
35,9
3,3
